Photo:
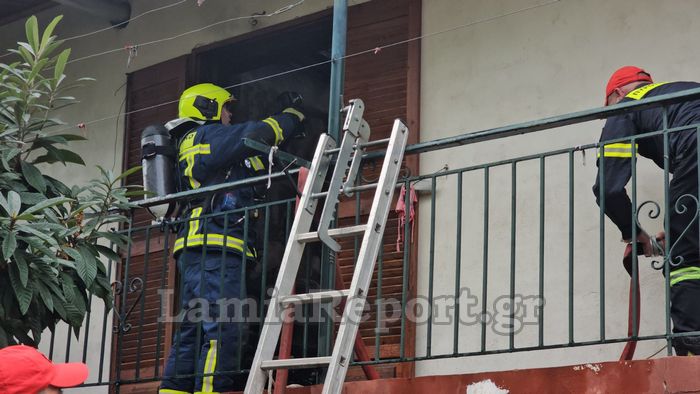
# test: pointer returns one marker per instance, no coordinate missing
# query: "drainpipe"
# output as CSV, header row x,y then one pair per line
x,y
117,12
340,27
335,103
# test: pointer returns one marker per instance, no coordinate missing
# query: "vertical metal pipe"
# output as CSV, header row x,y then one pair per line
x,y
431,266
199,341
458,263
142,312
122,306
86,334
340,30
378,300
485,278
406,258
68,340
52,342
288,223
358,208
601,182
540,317
571,247
326,323
513,207
177,336
222,280
335,103
243,291
305,307
379,303
356,239
667,229
163,277
104,324
635,273
263,278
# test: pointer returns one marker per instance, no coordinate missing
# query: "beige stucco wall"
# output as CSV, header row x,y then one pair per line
x,y
541,62
102,100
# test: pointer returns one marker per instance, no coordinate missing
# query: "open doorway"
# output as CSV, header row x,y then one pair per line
x,y
387,81
258,67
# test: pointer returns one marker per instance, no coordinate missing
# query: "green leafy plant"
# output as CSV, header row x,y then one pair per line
x,y
52,237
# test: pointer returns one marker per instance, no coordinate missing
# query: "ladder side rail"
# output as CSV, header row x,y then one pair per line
x,y
367,257
270,333
329,208
353,132
357,158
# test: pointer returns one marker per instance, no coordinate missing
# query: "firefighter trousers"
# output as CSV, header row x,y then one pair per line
x,y
685,314
684,241
206,342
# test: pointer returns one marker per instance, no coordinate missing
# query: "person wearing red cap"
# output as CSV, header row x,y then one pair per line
x,y
23,370
632,83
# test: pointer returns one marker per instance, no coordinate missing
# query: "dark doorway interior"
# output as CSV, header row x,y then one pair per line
x,y
256,69
247,66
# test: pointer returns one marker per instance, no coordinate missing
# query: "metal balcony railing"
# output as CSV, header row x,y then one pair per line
x,y
512,255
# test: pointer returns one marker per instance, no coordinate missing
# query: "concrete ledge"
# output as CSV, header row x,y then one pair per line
x,y
663,375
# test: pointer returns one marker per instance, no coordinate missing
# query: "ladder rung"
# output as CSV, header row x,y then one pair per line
x,y
369,186
365,145
361,188
295,363
334,232
317,297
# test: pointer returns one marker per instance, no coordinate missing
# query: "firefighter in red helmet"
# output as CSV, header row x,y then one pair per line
x,y
631,83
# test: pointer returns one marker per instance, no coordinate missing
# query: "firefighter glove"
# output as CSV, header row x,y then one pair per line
x,y
291,102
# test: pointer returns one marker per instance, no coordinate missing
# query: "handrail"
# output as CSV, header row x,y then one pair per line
x,y
461,139
204,191
548,123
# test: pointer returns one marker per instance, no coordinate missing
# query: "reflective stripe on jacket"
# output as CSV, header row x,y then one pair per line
x,y
615,157
212,154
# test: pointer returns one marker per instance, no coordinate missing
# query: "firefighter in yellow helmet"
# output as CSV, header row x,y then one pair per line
x,y
210,250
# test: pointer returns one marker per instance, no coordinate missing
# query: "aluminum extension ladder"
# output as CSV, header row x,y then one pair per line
x,y
355,138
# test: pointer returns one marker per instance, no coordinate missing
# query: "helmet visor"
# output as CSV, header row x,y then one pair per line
x,y
206,106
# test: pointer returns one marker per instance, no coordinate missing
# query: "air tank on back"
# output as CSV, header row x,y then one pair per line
x,y
158,160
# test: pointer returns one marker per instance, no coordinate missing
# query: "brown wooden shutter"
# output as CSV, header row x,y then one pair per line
x,y
387,81
147,343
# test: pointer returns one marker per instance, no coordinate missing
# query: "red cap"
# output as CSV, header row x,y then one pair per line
x,y
23,370
623,76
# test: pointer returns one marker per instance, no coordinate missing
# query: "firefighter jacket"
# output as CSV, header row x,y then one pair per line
x,y
615,167
212,154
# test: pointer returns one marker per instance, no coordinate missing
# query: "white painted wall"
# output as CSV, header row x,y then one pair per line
x,y
545,61
103,98
102,101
